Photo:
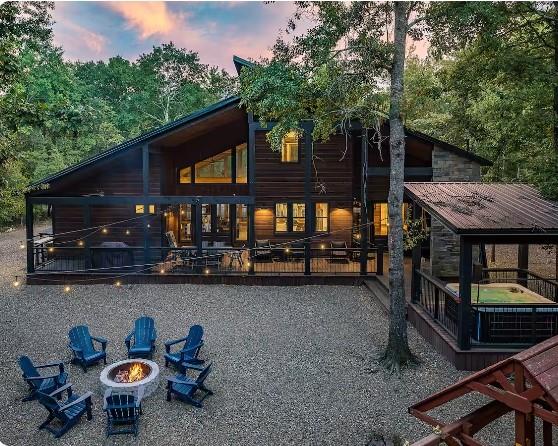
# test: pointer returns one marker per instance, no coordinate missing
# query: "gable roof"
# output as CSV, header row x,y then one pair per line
x,y
144,138
239,63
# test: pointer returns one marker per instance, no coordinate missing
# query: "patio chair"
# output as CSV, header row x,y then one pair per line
x,y
123,411
177,254
144,335
263,252
189,352
339,252
81,344
296,250
38,382
185,387
68,412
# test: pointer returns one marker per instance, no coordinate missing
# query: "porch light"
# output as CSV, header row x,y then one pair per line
x,y
80,243
182,212
51,249
286,249
117,283
21,245
322,246
206,271
67,288
16,282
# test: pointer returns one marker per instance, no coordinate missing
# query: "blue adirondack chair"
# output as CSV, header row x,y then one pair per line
x,y
189,352
38,382
81,344
144,335
185,387
123,411
67,412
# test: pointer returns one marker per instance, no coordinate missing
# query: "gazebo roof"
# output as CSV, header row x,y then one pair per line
x,y
486,208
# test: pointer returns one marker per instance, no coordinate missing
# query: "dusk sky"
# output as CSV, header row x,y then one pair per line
x,y
217,30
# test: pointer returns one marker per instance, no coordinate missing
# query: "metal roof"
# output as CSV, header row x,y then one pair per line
x,y
142,139
486,208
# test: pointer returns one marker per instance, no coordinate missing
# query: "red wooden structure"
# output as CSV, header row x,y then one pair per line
x,y
526,383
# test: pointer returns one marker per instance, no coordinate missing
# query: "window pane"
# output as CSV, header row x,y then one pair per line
x,y
322,212
216,169
381,222
242,163
185,223
223,218
281,212
185,175
298,217
289,148
241,222
206,218
140,208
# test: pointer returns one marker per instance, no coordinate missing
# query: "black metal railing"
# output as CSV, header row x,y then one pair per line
x,y
209,260
439,302
543,286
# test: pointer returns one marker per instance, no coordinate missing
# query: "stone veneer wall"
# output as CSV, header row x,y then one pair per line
x,y
444,245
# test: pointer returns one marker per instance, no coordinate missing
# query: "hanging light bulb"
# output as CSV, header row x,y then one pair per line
x,y
80,243
322,246
206,271
148,225
117,283
248,264
51,249
162,270
16,282
104,231
21,245
165,213
127,232
286,249
67,288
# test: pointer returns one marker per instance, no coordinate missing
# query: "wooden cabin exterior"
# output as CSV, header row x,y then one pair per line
x,y
212,180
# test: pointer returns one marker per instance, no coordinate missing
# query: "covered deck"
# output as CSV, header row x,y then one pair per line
x,y
485,314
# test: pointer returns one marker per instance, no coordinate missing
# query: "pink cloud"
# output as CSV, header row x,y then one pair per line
x,y
74,36
149,18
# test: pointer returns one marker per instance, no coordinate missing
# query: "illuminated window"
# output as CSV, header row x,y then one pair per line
x,y
216,169
381,222
185,222
241,222
322,217
298,217
281,217
289,148
185,175
206,218
223,218
140,208
242,163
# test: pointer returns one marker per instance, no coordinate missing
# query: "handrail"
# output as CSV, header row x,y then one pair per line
x,y
439,284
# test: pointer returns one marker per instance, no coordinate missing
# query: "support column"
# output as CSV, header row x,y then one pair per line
x,y
522,263
251,189
145,219
308,204
86,238
251,236
29,235
416,263
464,307
197,208
364,230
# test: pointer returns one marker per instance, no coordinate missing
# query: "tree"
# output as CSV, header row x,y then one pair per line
x,y
335,73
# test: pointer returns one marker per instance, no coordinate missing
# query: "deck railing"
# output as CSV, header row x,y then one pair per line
x,y
541,285
211,260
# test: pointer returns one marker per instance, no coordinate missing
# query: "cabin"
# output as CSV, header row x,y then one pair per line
x,y
205,196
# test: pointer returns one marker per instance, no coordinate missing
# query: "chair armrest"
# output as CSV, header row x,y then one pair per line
x,y
175,341
60,365
180,381
100,340
85,396
67,387
74,348
40,378
188,365
128,339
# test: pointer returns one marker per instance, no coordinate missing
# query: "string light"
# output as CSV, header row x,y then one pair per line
x,y
51,249
148,225
165,213
322,246
104,230
67,288
206,271
21,245
127,232
248,264
117,283
80,243
286,249
162,271
16,282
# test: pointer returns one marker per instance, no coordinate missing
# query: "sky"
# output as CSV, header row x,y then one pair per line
x,y
216,30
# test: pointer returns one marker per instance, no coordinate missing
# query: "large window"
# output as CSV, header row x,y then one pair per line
x,y
185,223
223,218
140,208
381,222
290,217
242,163
241,222
206,218
322,217
289,148
216,169
185,175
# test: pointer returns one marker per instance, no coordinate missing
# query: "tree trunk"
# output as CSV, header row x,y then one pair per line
x,y
397,353
555,117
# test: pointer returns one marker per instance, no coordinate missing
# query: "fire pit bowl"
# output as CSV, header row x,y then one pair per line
x,y
128,375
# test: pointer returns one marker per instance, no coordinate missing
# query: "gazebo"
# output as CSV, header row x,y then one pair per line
x,y
526,384
474,214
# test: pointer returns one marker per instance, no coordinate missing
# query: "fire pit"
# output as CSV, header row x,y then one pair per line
x,y
128,375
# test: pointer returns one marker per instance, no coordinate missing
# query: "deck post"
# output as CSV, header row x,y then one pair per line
x,y
416,263
364,230
464,308
145,188
29,235
251,236
86,240
198,235
522,263
308,205
380,260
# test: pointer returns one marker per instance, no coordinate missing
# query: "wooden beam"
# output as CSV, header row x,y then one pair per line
x,y
512,400
364,230
308,127
547,433
251,235
29,234
522,263
145,168
416,263
409,171
137,199
520,415
86,240
464,307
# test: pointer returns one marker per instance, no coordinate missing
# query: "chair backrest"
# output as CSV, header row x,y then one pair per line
x,y
339,245
144,328
49,402
201,377
297,245
120,405
80,337
263,244
195,336
171,239
27,367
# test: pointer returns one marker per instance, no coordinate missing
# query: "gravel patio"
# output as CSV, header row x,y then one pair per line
x,y
292,365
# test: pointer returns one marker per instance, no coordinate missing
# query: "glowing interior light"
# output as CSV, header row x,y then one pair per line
x,y
67,289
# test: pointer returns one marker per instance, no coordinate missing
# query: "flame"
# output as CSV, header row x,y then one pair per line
x,y
135,373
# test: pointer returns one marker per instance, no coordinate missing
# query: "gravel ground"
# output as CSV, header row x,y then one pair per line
x,y
292,365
